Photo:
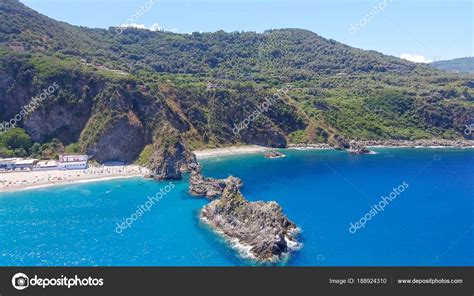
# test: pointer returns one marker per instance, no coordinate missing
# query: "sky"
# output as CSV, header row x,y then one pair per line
x,y
417,30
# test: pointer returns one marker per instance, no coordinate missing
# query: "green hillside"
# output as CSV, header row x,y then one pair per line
x,y
120,94
463,65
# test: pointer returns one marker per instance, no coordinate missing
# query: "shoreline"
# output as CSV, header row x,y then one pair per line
x,y
430,144
433,144
227,151
20,181
252,149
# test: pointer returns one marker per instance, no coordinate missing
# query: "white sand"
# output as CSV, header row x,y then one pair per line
x,y
29,180
207,153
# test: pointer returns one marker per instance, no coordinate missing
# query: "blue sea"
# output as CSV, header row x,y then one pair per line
x,y
430,223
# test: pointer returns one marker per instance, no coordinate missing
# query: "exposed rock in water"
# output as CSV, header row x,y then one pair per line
x,y
259,228
274,154
171,156
209,187
357,148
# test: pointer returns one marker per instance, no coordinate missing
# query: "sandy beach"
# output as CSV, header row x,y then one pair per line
x,y
39,179
235,150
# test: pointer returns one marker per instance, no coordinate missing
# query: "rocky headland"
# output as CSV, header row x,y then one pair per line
x,y
171,156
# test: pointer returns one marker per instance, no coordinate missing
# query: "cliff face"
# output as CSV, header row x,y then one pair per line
x,y
171,156
123,140
260,227
59,118
117,94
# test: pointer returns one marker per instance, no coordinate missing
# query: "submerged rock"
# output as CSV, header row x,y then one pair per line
x,y
209,187
258,228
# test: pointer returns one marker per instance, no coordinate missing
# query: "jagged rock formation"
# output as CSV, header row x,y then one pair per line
x,y
259,228
210,187
171,156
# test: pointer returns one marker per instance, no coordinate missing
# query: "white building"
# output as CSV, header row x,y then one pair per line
x,y
46,165
80,165
23,164
73,162
73,158
8,163
17,163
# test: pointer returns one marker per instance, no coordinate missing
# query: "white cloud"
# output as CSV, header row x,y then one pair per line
x,y
138,26
415,58
155,27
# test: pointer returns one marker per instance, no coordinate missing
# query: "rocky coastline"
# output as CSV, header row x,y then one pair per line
x,y
427,143
259,230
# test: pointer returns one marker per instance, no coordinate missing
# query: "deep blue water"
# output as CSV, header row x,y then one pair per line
x,y
429,224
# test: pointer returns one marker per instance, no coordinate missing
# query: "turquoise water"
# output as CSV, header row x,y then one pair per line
x,y
431,223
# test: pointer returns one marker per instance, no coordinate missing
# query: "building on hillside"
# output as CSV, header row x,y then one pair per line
x,y
73,162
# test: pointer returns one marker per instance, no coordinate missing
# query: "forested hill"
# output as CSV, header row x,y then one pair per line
x,y
293,53
463,65
126,96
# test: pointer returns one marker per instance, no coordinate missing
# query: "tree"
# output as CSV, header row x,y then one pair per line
x,y
14,139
